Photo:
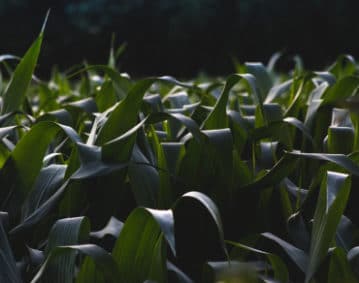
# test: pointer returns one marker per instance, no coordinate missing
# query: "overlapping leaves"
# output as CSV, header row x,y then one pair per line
x,y
105,178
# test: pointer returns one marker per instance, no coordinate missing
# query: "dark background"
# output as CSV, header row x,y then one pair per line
x,y
182,37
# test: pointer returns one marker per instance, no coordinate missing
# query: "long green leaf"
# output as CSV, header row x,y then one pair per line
x,y
16,90
331,203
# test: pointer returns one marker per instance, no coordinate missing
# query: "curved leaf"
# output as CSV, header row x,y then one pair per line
x,y
104,261
262,76
68,231
140,251
299,257
211,209
339,159
113,228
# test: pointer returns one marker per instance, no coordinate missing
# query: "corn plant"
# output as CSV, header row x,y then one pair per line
x,y
250,178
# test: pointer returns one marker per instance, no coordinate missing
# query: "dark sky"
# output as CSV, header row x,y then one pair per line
x,y
182,37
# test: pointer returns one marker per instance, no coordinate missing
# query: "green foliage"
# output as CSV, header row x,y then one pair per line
x,y
109,179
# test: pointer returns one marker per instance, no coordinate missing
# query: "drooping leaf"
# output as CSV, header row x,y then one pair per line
x,y
68,231
299,257
341,160
262,76
186,206
140,248
113,228
103,260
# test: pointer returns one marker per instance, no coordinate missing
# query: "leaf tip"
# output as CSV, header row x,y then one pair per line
x,y
45,21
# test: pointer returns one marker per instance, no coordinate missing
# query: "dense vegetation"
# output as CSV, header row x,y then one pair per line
x,y
251,178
